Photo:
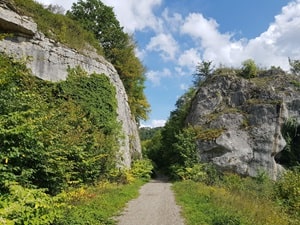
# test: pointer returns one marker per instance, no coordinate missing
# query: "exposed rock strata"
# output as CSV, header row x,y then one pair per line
x,y
49,60
251,113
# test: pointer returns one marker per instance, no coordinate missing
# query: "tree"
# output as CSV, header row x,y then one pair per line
x,y
249,69
203,70
295,66
101,20
118,48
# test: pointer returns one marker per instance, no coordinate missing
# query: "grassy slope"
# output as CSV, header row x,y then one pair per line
x,y
218,205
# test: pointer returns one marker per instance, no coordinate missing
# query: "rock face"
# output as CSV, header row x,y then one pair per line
x,y
249,115
50,60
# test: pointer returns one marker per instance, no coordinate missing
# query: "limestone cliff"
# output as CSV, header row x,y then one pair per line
x,y
49,60
242,120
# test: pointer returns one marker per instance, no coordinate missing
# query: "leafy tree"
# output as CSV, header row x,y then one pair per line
x,y
295,66
101,20
249,69
118,47
203,70
175,124
186,146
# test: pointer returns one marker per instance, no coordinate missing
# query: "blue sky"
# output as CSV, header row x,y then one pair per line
x,y
174,35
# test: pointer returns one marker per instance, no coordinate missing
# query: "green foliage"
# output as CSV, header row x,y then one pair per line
x,y
59,27
249,69
288,190
147,133
55,135
295,66
203,70
28,206
220,204
142,169
175,124
118,46
185,145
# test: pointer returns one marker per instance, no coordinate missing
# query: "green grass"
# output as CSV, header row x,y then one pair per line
x,y
59,27
97,205
221,205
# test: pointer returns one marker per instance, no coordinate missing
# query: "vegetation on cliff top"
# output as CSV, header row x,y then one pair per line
x,y
91,23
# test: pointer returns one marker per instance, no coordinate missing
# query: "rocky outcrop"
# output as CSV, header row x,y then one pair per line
x,y
50,60
248,115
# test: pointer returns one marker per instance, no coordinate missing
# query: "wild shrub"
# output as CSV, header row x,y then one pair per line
x,y
55,135
142,169
29,206
288,190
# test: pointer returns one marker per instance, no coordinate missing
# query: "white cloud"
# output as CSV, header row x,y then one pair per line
x,y
155,76
189,58
65,4
165,44
154,123
280,41
135,15
184,87
173,22
179,70
272,47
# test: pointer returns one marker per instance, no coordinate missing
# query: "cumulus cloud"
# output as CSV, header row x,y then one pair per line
x,y
280,41
173,21
155,76
135,15
272,47
189,58
165,44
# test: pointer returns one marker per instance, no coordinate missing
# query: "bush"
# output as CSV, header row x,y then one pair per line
x,y
249,69
288,189
142,169
28,206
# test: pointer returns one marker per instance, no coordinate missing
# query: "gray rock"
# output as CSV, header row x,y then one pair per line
x,y
50,60
251,114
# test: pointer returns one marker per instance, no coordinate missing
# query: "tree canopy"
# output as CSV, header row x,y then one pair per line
x,y
119,48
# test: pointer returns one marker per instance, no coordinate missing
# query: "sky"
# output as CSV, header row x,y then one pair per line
x,y
173,36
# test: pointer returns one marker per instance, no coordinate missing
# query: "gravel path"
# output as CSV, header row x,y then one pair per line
x,y
155,206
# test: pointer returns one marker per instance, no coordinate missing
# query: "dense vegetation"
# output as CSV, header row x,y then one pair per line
x,y
55,136
118,47
91,23
233,200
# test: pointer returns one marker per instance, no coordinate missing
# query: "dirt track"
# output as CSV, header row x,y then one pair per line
x,y
155,206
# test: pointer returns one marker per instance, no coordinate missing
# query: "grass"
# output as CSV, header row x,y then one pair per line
x,y
59,27
232,203
99,204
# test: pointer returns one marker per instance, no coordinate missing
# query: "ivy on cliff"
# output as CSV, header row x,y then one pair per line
x,y
118,47
55,135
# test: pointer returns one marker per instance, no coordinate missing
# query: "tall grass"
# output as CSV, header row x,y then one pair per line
x,y
233,201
